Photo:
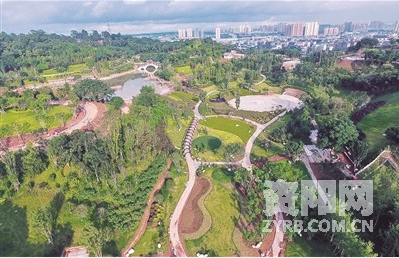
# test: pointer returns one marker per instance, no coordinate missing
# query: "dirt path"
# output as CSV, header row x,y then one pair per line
x,y
143,224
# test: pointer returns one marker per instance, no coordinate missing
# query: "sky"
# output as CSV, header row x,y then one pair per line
x,y
140,16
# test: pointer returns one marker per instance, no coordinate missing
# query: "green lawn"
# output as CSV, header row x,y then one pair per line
x,y
301,247
237,127
223,207
183,96
375,123
259,151
186,69
218,153
12,118
279,123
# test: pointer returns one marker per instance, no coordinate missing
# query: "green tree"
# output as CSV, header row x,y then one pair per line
x,y
359,150
238,100
294,149
117,102
44,221
92,90
336,133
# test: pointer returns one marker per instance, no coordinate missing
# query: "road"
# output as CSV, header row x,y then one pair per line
x,y
177,244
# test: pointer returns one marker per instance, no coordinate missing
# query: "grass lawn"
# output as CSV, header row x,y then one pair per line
x,y
176,135
78,69
259,151
12,117
186,69
279,123
217,154
183,96
375,123
223,207
301,247
237,127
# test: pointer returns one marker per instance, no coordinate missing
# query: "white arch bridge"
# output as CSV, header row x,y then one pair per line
x,y
146,67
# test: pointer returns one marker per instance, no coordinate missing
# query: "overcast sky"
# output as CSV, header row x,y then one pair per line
x,y
137,16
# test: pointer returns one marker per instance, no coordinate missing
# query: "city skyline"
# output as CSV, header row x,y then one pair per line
x,y
129,17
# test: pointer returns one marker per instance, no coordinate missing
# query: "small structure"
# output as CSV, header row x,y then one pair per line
x,y
75,251
232,55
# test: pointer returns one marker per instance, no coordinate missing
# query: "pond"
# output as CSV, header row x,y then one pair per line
x,y
132,87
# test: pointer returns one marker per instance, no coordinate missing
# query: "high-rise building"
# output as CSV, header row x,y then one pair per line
x,y
376,25
396,29
189,33
281,28
217,33
348,27
311,29
182,33
295,30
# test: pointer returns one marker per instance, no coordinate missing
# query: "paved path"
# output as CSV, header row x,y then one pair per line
x,y
263,79
322,194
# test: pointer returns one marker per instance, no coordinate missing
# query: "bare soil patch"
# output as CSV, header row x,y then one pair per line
x,y
192,217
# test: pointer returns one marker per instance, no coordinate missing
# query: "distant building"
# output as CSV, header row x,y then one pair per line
x,y
311,29
232,55
295,30
348,27
217,33
396,29
332,31
376,25
76,251
182,33
189,33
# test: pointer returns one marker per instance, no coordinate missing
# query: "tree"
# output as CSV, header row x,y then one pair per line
x,y
44,221
392,134
12,169
3,104
117,102
336,133
33,162
359,150
202,95
294,149
94,239
62,117
147,97
232,150
238,100
391,241
92,90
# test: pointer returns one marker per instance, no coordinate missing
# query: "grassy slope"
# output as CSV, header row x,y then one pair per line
x,y
304,248
183,70
223,206
18,117
375,123
217,155
243,130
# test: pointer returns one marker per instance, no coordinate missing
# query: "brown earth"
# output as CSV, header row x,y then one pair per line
x,y
294,92
192,219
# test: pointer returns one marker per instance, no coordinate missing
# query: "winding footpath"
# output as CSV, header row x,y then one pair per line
x,y
177,244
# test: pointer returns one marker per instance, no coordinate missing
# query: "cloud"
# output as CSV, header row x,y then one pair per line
x,y
101,8
138,15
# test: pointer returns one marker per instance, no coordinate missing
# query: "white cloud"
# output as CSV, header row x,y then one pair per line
x,y
130,2
101,8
